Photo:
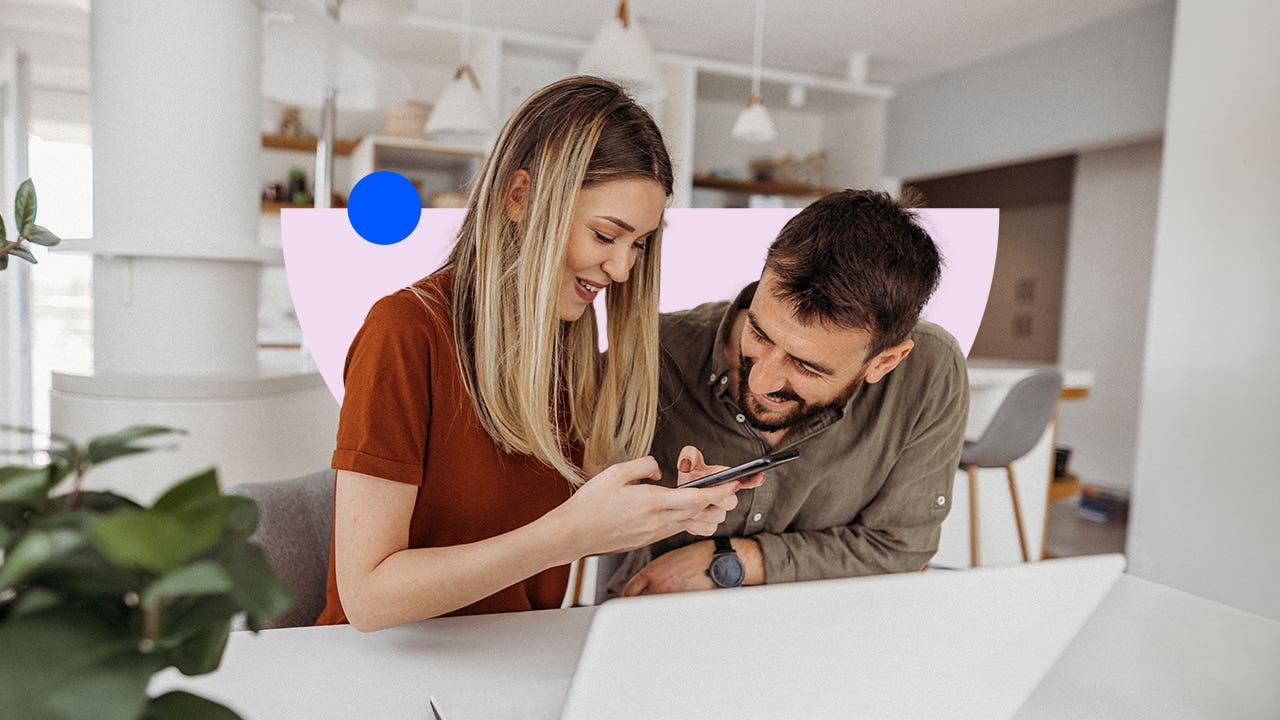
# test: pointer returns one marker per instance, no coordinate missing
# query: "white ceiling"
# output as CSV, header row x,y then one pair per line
x,y
906,39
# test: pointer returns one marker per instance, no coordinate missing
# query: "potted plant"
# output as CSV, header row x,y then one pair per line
x,y
97,592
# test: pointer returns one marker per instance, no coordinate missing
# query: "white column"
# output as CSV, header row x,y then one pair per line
x,y
176,97
1207,488
15,281
176,175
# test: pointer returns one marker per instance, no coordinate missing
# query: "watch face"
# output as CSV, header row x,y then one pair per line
x,y
726,571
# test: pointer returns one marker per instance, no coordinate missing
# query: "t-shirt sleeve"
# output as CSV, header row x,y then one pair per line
x,y
386,408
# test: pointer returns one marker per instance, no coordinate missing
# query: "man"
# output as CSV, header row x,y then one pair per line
x,y
825,354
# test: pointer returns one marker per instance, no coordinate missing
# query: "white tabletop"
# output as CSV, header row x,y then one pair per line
x,y
1148,652
1151,651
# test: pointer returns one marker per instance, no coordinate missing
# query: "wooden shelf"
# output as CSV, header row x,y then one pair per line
x,y
275,206
759,187
306,144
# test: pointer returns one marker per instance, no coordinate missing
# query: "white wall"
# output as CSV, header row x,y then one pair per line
x,y
1104,318
1207,488
1102,85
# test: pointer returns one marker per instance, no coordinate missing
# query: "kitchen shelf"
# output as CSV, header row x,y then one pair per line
x,y
759,187
275,206
306,143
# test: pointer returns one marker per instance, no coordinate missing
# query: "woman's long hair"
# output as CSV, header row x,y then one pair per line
x,y
538,384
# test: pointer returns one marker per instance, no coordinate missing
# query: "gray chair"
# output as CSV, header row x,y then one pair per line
x,y
295,528
1018,424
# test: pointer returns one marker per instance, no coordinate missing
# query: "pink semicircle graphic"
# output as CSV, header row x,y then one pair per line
x,y
335,276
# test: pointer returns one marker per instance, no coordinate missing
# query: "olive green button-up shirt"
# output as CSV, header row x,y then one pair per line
x,y
873,482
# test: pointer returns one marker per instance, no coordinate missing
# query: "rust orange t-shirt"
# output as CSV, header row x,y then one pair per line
x,y
407,417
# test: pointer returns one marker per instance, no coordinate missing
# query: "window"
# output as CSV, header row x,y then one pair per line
x,y
62,284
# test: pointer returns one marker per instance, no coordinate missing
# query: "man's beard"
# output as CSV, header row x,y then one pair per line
x,y
803,410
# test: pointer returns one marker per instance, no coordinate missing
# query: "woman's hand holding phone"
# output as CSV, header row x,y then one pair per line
x,y
615,511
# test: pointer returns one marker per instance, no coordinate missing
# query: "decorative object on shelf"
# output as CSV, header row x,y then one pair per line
x,y
461,111
789,169
297,192
98,593
24,223
291,122
621,52
406,119
273,192
754,124
448,200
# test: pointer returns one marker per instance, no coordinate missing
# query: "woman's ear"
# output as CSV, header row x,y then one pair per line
x,y
517,200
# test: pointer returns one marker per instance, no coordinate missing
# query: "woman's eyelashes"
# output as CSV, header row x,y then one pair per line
x,y
639,245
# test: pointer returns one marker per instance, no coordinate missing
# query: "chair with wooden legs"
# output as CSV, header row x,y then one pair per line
x,y
1018,424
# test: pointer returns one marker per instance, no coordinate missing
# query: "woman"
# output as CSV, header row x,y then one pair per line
x,y
476,401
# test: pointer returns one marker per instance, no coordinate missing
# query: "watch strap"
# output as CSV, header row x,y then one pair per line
x,y
723,545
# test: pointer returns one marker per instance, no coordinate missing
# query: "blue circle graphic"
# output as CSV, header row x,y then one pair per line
x,y
384,207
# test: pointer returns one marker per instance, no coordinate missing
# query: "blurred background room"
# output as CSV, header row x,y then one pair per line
x,y
1132,147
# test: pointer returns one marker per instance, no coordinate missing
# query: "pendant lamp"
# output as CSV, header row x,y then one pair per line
x,y
620,52
461,110
754,124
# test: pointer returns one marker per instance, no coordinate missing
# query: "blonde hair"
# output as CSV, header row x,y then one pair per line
x,y
538,384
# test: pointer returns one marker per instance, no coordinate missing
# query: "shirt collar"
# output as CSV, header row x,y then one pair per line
x,y
718,377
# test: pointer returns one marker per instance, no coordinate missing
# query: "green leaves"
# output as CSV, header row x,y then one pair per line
x,y
24,207
185,706
23,483
98,593
119,444
41,236
188,519
23,253
24,218
67,663
37,547
201,578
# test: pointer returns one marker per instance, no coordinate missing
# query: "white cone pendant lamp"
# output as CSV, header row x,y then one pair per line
x,y
621,52
754,124
461,112
460,109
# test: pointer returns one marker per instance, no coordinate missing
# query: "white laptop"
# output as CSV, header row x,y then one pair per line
x,y
938,644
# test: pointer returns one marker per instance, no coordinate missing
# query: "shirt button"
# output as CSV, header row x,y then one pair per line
x,y
757,517
740,417
942,500
724,379
712,378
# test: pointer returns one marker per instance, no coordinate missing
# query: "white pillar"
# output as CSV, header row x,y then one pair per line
x,y
176,97
15,282
1206,489
176,175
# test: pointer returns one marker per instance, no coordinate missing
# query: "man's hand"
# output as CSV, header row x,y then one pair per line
x,y
685,569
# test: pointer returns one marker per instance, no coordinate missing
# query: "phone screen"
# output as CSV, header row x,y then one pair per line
x,y
749,467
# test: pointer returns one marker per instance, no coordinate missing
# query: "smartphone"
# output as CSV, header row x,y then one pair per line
x,y
750,467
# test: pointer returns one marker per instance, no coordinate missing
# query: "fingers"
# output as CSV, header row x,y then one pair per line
x,y
687,499
636,586
639,469
753,481
690,459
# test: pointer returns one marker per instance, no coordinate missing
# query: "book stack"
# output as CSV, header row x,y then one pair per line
x,y
1103,505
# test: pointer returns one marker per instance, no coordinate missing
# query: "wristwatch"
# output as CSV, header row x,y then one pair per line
x,y
726,569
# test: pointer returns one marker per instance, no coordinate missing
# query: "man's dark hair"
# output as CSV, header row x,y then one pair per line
x,y
857,259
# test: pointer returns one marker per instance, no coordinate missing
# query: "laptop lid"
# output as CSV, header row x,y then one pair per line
x,y
955,644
